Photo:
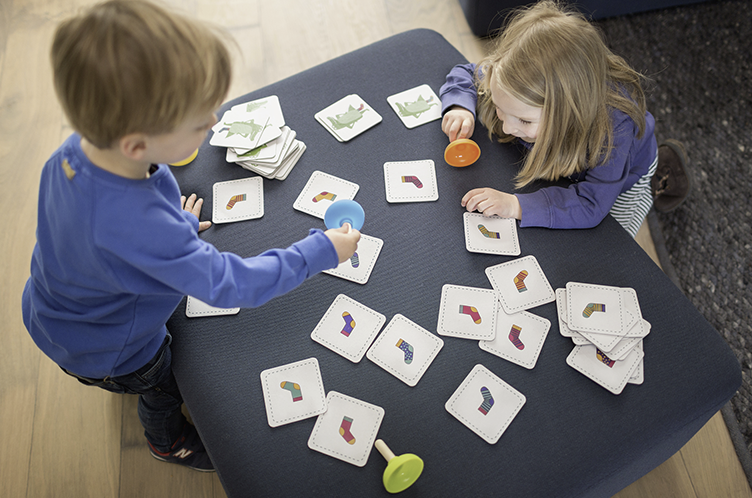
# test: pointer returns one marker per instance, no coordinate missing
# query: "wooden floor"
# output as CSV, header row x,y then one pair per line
x,y
58,438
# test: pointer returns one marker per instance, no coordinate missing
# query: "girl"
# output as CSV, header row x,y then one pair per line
x,y
554,86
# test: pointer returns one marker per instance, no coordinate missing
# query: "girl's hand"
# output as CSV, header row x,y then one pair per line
x,y
492,202
458,123
345,240
193,205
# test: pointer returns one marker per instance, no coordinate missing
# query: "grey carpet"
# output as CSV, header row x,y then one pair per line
x,y
698,60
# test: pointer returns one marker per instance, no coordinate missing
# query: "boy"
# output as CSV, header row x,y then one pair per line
x,y
117,246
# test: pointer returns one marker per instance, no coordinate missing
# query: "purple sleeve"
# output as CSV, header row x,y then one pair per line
x,y
583,204
459,89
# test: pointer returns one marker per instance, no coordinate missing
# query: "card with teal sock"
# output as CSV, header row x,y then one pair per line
x,y
293,392
348,328
467,312
405,349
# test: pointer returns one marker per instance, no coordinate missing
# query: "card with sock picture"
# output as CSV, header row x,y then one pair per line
x,y
359,267
601,309
321,190
348,117
597,366
467,312
238,200
519,338
405,349
293,392
491,235
485,404
348,328
347,430
520,284
195,308
416,106
411,181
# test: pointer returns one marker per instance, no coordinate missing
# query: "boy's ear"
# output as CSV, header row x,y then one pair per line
x,y
133,146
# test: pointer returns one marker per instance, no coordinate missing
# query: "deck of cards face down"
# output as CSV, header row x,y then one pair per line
x,y
607,327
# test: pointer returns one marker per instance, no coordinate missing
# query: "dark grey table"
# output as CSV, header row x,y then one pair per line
x,y
571,438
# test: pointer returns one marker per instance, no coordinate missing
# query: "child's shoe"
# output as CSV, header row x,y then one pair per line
x,y
188,451
671,182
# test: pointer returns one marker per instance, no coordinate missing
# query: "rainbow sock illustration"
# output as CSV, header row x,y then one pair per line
x,y
514,336
604,359
472,311
592,308
355,260
325,195
488,401
349,324
344,430
234,199
488,233
412,179
519,281
294,389
408,349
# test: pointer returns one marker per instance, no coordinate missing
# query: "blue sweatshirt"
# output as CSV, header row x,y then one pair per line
x,y
590,197
115,256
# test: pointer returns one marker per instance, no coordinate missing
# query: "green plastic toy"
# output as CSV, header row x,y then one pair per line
x,y
401,471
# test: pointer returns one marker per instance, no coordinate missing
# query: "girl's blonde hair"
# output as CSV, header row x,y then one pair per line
x,y
130,66
554,59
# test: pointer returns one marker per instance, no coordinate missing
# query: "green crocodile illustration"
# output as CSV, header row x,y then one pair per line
x,y
416,108
347,119
247,129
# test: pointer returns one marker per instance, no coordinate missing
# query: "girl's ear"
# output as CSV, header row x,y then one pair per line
x,y
133,146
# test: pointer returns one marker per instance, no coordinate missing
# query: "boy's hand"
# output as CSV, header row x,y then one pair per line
x,y
492,202
458,123
193,205
345,240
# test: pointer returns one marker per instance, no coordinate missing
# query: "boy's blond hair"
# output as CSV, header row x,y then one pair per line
x,y
554,59
130,66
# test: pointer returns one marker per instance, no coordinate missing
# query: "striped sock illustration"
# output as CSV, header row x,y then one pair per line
x,y
488,401
412,179
325,195
592,308
519,281
234,199
488,233
514,336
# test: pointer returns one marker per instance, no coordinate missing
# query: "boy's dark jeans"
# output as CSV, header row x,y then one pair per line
x,y
159,399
